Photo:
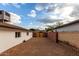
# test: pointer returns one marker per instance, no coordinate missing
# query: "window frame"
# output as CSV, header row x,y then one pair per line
x,y
27,33
7,14
17,34
1,12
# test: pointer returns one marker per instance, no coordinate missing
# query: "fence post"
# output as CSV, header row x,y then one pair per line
x,y
57,37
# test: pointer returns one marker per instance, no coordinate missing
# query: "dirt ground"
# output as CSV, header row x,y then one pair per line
x,y
41,47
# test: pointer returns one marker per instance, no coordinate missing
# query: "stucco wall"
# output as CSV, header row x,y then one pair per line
x,y
8,40
69,28
70,37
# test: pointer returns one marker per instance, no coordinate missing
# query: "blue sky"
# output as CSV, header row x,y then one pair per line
x,y
38,15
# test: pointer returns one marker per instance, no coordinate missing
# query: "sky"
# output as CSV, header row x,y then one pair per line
x,y
39,15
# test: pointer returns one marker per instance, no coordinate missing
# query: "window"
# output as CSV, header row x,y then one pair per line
x,y
0,12
17,34
27,33
7,14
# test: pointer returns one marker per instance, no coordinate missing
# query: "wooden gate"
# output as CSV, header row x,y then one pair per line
x,y
39,34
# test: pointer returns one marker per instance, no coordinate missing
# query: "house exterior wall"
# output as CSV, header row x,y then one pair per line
x,y
7,18
70,37
69,28
1,16
8,39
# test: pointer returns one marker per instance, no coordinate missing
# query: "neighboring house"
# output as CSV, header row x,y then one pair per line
x,y
69,33
11,35
69,27
4,16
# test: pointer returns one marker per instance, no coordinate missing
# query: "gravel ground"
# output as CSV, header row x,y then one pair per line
x,y
40,47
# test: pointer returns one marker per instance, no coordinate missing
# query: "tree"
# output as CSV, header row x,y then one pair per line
x,y
58,24
32,29
50,28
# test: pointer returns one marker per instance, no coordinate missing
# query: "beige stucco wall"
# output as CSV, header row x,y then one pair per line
x,y
8,40
70,37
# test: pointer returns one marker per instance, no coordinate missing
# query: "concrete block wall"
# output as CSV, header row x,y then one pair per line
x,y
71,37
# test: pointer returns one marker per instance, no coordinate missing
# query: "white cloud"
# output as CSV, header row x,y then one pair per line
x,y
16,5
42,27
15,18
66,11
4,4
31,23
60,11
32,13
39,7
12,4
52,17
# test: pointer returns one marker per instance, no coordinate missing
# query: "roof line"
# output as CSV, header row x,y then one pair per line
x,y
73,22
11,26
